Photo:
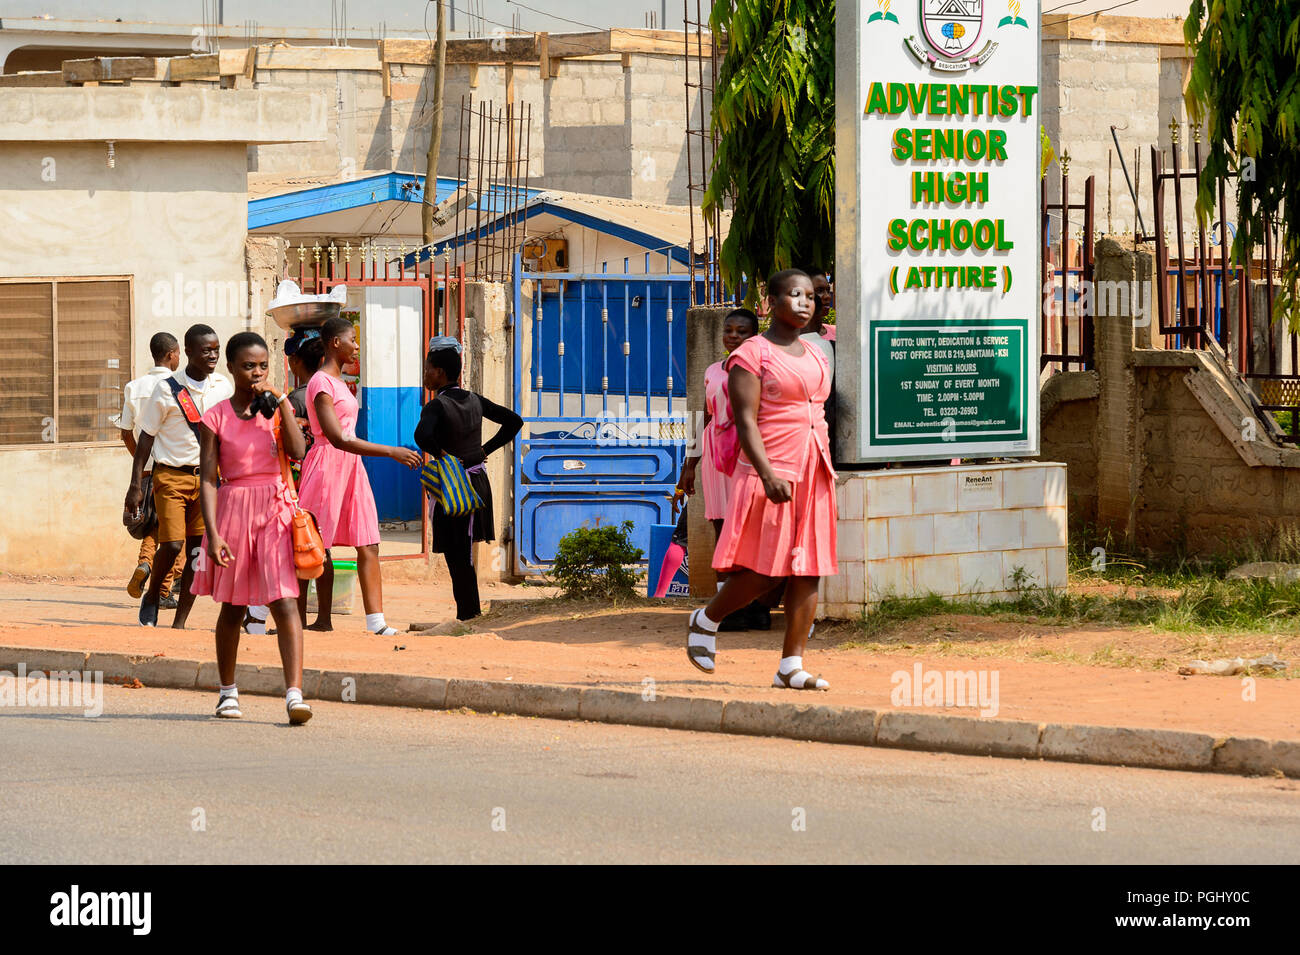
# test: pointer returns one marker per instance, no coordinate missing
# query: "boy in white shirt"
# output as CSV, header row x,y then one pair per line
x,y
169,423
166,351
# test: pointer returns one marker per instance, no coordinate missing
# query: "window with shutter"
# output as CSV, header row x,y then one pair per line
x,y
26,362
65,345
94,363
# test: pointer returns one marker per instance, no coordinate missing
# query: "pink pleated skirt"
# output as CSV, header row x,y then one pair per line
x,y
336,490
715,485
795,538
254,521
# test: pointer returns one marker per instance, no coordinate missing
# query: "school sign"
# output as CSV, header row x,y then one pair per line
x,y
937,220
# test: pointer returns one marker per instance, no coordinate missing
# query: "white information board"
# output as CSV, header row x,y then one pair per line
x,y
938,297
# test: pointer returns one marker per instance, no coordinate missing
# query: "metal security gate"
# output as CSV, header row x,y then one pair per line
x,y
600,381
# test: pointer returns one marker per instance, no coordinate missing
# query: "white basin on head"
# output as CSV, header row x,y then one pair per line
x,y
291,308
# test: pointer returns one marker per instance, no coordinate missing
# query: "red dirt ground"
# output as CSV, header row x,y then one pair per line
x,y
530,639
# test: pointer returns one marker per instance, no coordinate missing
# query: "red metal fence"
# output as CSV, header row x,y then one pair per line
x,y
1067,332
320,269
1203,296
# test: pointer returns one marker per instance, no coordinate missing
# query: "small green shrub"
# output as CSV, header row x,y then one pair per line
x,y
590,562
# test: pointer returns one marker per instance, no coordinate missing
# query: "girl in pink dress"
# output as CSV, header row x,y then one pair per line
x,y
781,518
248,556
740,326
335,488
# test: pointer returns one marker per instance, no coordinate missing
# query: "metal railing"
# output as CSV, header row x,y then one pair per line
x,y
1204,297
1074,269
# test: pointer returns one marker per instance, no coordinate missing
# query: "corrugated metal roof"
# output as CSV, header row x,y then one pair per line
x,y
671,223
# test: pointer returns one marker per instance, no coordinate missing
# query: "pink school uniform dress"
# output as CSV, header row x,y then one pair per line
x,y
335,489
796,537
254,511
714,483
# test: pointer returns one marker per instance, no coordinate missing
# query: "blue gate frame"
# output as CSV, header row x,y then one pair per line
x,y
606,437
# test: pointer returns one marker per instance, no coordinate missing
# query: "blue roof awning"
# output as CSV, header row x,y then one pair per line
x,y
356,193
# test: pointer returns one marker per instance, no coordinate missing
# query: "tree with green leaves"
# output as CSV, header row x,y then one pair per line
x,y
1245,87
774,114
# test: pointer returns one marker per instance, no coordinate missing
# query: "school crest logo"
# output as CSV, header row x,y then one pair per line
x,y
952,30
952,26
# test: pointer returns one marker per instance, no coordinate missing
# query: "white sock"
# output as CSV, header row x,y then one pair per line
x,y
231,690
376,624
790,664
292,695
702,620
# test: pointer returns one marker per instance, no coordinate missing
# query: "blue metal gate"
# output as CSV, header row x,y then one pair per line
x,y
600,381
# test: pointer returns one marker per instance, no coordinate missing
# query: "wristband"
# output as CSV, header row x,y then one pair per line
x,y
285,397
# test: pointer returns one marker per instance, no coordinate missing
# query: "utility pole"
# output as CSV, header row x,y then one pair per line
x,y
435,134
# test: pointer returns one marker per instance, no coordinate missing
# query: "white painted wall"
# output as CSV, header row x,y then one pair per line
x,y
164,211
393,350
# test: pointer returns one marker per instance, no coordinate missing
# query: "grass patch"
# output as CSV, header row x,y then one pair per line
x,y
1196,605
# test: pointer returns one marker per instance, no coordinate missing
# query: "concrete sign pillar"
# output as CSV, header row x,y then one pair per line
x,y
939,305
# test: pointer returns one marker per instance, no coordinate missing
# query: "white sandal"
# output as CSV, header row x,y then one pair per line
x,y
228,707
299,712
696,652
786,681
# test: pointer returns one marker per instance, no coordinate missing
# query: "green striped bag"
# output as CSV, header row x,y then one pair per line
x,y
445,480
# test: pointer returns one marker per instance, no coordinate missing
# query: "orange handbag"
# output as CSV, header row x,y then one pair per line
x,y
308,548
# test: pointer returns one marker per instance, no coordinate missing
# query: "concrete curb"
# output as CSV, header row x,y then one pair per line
x,y
902,729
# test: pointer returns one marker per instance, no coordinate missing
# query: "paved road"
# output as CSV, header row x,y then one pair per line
x,y
376,784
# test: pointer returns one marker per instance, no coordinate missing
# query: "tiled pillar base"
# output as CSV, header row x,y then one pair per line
x,y
956,532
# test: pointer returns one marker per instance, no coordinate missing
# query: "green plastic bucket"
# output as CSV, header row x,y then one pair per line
x,y
345,579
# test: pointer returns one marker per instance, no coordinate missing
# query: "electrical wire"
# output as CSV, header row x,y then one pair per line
x,y
1072,3
1080,16
553,16
425,97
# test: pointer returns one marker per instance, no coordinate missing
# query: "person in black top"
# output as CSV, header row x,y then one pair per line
x,y
452,423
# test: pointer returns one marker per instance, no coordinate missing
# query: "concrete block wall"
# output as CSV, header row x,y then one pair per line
x,y
596,126
601,128
656,107
1069,434
1177,458
1088,86
577,136
954,532
354,117
584,130
1194,490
